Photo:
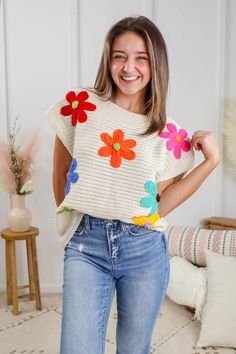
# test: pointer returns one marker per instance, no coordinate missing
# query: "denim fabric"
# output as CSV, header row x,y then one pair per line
x,y
104,256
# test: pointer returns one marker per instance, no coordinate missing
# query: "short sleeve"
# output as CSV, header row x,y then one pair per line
x,y
61,124
177,153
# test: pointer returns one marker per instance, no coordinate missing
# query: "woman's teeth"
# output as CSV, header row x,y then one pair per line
x,y
129,78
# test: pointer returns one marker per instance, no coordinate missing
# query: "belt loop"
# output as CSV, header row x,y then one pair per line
x,y
124,226
87,222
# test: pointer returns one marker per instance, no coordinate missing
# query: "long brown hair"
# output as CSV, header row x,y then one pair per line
x,y
156,91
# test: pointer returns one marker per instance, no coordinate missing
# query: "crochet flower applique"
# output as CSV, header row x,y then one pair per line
x,y
146,221
117,148
64,208
150,201
77,107
176,140
72,176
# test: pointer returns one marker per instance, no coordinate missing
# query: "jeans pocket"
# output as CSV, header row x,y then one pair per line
x,y
80,229
136,230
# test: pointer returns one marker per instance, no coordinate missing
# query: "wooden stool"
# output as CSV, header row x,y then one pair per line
x,y
11,274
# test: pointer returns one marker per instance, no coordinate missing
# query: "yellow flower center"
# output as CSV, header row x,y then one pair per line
x,y
116,146
75,104
178,138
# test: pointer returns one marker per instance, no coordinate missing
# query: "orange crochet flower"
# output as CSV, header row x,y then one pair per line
x,y
117,147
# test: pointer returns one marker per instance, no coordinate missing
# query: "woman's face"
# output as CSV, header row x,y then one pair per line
x,y
130,64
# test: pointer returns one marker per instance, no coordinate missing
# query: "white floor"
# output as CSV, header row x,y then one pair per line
x,y
39,331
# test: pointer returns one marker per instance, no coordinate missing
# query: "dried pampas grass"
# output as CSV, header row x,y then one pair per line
x,y
16,164
230,137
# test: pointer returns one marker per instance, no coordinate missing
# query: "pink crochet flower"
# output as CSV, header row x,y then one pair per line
x,y
176,140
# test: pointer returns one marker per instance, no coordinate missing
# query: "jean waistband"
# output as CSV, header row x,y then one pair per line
x,y
93,221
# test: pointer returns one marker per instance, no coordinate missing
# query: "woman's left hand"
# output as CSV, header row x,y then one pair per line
x,y
206,142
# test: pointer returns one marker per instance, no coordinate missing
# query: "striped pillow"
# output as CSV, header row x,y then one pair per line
x,y
191,243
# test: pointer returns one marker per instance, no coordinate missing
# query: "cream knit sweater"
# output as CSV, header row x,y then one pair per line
x,y
114,171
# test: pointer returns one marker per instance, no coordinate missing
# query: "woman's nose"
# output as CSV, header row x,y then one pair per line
x,y
129,66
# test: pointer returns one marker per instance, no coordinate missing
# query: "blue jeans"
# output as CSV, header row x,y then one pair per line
x,y
104,256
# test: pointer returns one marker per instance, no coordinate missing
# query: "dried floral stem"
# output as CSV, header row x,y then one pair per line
x,y
17,166
16,160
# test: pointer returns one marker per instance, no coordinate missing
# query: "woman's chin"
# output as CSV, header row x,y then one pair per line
x,y
129,91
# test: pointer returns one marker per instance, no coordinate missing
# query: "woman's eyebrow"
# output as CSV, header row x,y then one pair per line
x,y
142,53
121,51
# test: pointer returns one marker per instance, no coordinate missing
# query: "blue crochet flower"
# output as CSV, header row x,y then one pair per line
x,y
72,176
151,201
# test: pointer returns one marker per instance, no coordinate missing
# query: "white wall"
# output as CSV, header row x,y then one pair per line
x,y
52,46
228,190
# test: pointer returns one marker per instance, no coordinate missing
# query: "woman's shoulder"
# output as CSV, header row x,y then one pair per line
x,y
90,94
89,90
174,130
75,96
80,93
172,124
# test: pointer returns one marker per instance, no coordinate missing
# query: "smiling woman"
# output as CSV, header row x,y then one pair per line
x,y
126,161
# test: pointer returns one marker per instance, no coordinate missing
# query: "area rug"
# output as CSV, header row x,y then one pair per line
x,y
35,331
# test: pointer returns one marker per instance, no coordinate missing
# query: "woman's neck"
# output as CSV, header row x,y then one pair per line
x,y
134,103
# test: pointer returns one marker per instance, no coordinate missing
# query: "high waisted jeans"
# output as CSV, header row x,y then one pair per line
x,y
104,256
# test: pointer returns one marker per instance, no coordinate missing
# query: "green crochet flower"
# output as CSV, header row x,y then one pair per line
x,y
65,208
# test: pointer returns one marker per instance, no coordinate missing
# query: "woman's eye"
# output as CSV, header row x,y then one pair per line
x,y
142,58
118,56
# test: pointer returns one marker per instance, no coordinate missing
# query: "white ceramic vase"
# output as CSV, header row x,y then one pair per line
x,y
19,217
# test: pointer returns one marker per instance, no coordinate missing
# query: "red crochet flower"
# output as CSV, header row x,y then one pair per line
x,y
117,148
77,107
176,140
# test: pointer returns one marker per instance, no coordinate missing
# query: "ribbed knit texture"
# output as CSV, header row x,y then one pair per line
x,y
102,190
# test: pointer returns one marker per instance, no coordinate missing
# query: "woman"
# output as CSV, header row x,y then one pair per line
x,y
119,166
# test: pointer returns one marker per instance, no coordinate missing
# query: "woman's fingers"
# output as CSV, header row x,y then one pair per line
x,y
206,141
200,137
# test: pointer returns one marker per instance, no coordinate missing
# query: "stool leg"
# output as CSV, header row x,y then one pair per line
x,y
36,274
8,272
14,278
30,270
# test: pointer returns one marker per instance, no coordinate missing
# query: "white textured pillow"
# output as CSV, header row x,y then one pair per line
x,y
219,314
187,284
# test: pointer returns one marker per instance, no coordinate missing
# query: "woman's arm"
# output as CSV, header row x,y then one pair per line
x,y
175,193
61,164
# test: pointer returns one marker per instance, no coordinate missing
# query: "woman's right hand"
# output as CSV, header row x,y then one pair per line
x,y
206,142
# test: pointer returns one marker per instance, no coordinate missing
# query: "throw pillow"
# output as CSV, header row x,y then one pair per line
x,y
187,284
218,326
191,243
